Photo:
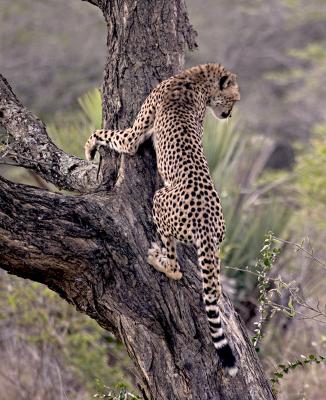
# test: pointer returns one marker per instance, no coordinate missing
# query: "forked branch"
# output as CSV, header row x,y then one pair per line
x,y
30,146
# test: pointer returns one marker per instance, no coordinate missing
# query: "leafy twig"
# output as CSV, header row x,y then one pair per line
x,y
263,267
300,247
285,368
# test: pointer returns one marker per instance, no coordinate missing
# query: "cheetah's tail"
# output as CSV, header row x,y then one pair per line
x,y
210,267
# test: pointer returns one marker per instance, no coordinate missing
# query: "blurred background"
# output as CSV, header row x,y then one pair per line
x,y
268,163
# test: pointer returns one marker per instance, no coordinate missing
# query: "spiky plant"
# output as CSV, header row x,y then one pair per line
x,y
237,163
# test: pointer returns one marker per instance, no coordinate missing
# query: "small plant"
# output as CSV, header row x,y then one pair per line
x,y
252,205
285,368
121,392
263,267
271,290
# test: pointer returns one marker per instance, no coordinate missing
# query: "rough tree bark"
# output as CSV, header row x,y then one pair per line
x,y
91,248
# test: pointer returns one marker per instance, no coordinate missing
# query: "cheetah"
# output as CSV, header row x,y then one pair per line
x,y
187,209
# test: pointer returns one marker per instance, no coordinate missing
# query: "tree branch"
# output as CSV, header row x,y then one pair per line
x,y
32,148
97,262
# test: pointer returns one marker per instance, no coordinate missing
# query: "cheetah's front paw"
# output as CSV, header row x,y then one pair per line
x,y
91,147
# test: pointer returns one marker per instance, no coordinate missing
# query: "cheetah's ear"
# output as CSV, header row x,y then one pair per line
x,y
223,82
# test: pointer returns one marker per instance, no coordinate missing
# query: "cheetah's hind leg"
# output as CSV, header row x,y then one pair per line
x,y
164,260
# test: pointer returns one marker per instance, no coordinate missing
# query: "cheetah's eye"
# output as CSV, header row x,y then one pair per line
x,y
223,81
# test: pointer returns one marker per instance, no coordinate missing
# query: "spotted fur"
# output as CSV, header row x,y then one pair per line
x,y
187,209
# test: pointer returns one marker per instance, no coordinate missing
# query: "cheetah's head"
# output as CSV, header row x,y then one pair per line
x,y
224,96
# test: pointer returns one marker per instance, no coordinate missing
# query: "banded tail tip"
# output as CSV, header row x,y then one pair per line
x,y
227,359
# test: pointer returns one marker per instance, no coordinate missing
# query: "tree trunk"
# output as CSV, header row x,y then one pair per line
x,y
92,248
